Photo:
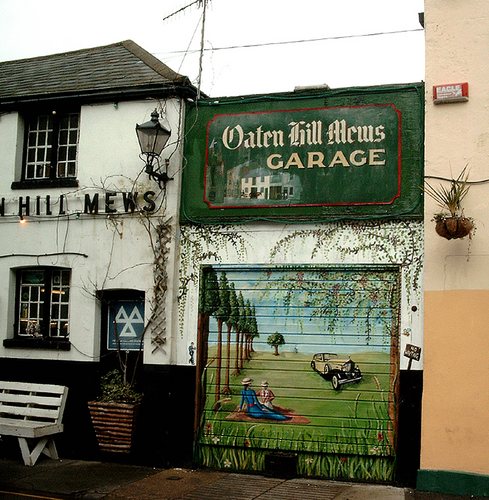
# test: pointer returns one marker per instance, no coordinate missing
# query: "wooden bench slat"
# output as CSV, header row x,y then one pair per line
x,y
29,429
7,397
32,387
26,411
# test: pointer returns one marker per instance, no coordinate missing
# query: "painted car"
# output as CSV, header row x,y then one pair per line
x,y
340,371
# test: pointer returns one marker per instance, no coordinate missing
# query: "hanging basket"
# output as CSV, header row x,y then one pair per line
x,y
454,227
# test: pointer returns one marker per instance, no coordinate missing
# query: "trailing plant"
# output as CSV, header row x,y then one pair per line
x,y
451,222
203,244
393,242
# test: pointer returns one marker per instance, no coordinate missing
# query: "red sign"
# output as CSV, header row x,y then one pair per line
x,y
450,92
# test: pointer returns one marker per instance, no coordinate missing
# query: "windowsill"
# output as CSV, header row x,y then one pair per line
x,y
44,183
38,343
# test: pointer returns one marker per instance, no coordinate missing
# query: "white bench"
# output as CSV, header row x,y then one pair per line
x,y
32,412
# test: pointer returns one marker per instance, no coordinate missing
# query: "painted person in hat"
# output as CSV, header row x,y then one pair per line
x,y
265,395
253,407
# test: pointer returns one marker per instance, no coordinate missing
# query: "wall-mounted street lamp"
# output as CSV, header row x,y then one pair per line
x,y
152,137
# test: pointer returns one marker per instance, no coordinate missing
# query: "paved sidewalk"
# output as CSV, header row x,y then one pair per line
x,y
204,485
51,479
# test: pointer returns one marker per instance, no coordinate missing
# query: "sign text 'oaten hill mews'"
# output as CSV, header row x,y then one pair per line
x,y
304,157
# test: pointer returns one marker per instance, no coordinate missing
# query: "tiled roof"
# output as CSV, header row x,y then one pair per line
x,y
121,67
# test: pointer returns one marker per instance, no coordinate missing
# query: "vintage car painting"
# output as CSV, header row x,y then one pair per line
x,y
340,371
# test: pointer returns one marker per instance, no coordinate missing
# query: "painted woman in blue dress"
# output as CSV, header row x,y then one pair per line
x,y
253,408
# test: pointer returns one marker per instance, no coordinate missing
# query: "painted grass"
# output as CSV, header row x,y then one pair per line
x,y
348,436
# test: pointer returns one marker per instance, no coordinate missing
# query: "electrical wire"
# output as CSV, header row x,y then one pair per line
x,y
482,181
288,42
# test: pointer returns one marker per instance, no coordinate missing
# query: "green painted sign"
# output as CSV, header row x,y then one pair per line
x,y
342,155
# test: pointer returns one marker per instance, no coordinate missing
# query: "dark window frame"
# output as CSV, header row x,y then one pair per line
x,y
58,115
41,338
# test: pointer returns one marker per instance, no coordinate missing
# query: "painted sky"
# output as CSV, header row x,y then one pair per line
x,y
318,311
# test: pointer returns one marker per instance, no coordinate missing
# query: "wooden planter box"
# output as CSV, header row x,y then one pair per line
x,y
114,425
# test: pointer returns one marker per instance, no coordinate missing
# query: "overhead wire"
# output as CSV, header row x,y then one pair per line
x,y
288,42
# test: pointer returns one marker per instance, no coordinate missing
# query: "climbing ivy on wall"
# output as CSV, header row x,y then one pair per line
x,y
397,243
362,242
205,244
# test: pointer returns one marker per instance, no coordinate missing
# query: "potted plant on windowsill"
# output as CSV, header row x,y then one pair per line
x,y
451,223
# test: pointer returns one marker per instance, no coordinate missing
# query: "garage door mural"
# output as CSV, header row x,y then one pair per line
x,y
299,362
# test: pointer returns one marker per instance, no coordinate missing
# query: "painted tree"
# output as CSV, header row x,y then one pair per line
x,y
244,333
222,315
208,304
250,332
231,322
275,340
240,328
253,330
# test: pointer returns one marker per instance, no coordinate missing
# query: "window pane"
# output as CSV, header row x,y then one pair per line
x,y
34,319
41,154
74,119
41,142
63,328
43,122
24,311
65,278
33,277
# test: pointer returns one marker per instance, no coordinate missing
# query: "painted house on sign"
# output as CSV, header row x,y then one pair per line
x,y
88,238
300,280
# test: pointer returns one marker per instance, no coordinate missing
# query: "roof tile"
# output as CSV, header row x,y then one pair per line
x,y
117,67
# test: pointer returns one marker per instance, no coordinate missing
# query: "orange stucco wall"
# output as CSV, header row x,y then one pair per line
x,y
456,377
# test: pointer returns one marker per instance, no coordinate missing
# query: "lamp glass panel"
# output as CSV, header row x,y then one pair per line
x,y
152,140
161,139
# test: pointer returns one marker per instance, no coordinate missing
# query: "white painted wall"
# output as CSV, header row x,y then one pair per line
x,y
104,252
